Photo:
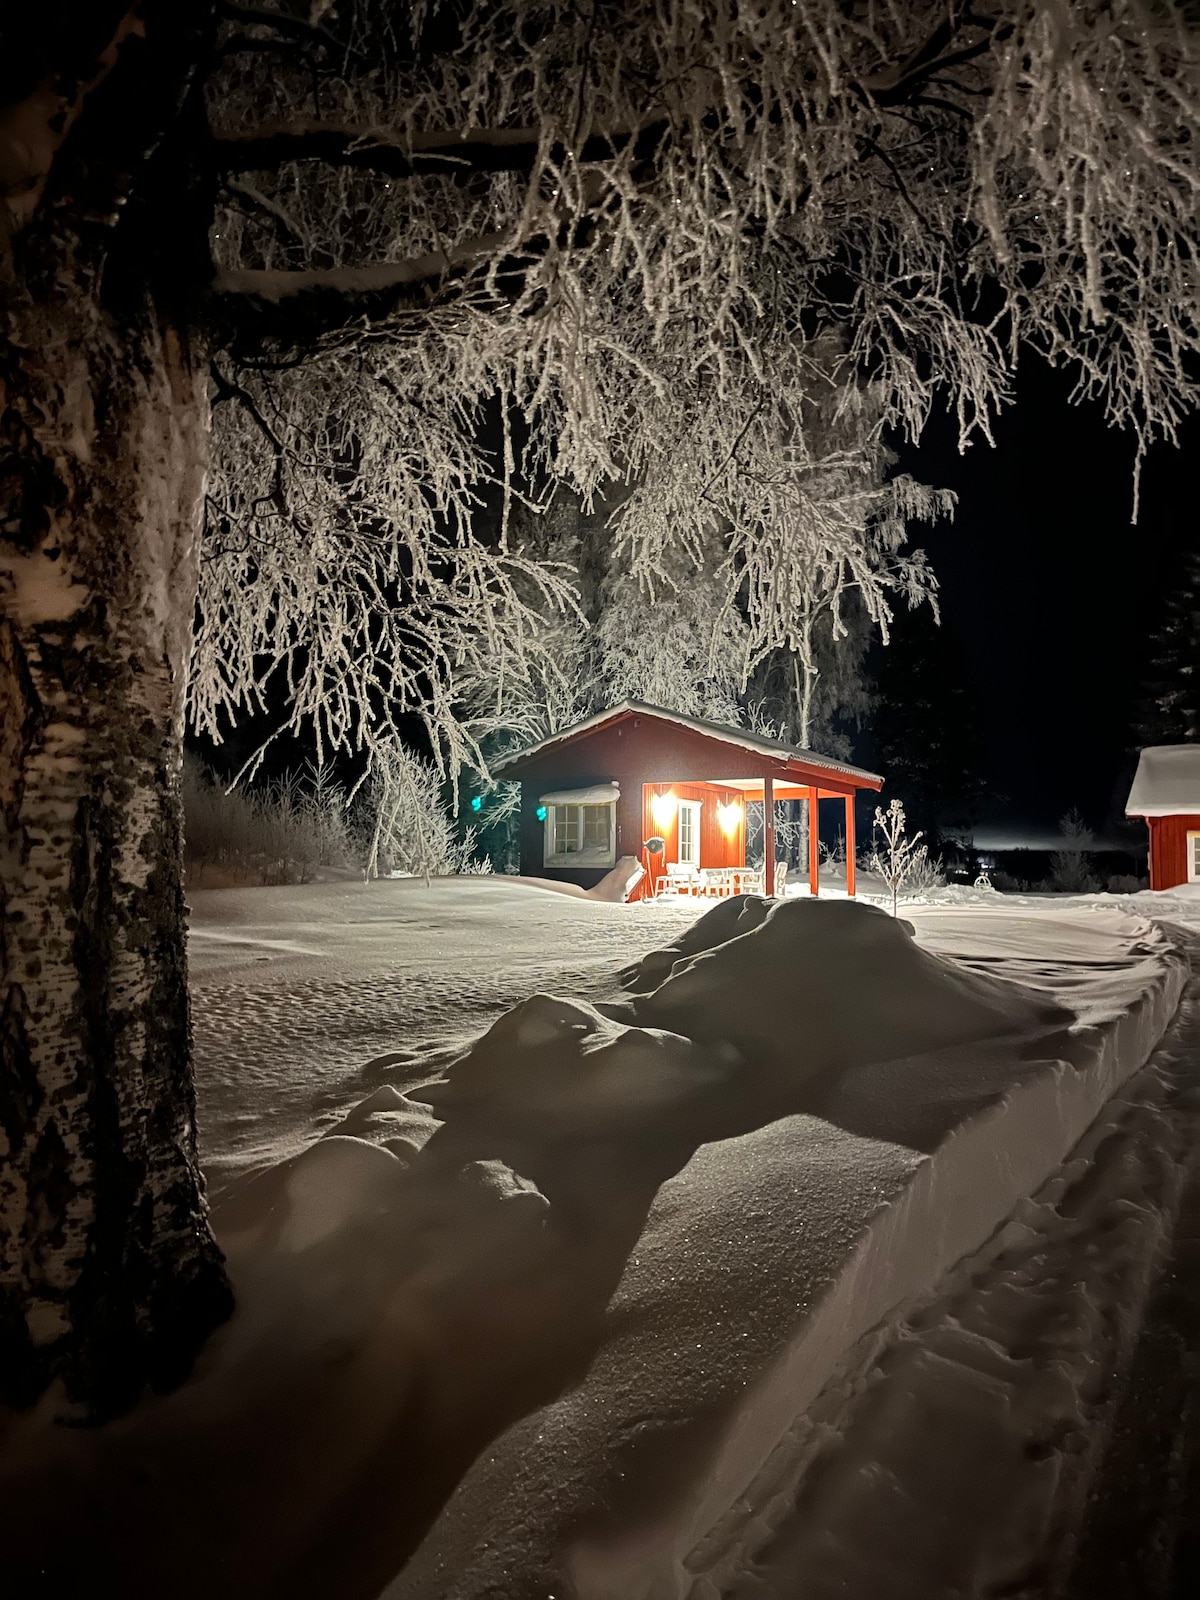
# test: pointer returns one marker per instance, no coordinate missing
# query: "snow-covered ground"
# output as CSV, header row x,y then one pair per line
x,y
793,1263
305,996
298,991
721,1444
820,1291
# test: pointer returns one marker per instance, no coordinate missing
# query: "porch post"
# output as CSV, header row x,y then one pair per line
x,y
769,836
814,844
850,845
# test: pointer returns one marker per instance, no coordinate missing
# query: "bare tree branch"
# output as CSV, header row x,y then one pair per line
x,y
371,150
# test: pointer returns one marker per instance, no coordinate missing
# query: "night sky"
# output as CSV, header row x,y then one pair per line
x,y
1052,593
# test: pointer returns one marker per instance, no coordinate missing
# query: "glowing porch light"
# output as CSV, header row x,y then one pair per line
x,y
662,809
730,816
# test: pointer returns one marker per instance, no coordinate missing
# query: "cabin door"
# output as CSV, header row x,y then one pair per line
x,y
689,832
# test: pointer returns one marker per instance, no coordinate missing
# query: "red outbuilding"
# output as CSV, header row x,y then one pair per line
x,y
598,791
1166,791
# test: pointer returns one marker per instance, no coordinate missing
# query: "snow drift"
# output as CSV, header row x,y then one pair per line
x,y
772,1255
443,1264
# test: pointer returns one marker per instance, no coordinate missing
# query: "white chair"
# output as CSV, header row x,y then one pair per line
x,y
746,880
715,881
682,878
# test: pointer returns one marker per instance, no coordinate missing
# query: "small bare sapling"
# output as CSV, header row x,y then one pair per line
x,y
894,856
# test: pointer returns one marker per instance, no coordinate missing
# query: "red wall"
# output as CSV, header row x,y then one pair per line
x,y
1168,849
717,849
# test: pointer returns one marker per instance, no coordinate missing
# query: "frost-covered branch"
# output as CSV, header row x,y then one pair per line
x,y
679,246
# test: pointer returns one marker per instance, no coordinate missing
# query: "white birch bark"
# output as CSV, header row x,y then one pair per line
x,y
109,1276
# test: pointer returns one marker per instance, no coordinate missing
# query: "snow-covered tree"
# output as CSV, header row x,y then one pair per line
x,y
423,215
1070,864
411,828
751,564
790,464
677,643
838,692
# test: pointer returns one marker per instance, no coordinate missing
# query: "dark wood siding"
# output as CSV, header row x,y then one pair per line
x,y
533,832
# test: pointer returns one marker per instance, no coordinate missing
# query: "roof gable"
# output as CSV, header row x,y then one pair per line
x,y
743,738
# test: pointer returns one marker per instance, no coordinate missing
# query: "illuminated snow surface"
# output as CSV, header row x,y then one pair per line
x,y
803,1274
793,1396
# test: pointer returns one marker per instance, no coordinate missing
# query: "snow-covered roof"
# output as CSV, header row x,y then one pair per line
x,y
1167,782
596,794
743,737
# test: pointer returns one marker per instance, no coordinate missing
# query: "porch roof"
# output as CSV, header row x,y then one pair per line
x,y
719,733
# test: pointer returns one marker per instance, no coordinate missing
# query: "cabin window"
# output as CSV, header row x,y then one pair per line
x,y
1193,856
580,836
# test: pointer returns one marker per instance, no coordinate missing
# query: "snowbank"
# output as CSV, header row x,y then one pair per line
x,y
956,1450
303,994
772,1255
629,1239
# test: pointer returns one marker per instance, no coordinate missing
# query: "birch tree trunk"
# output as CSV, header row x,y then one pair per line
x,y
109,1276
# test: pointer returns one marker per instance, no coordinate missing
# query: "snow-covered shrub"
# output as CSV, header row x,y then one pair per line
x,y
498,830
834,855
791,833
476,866
278,833
1006,883
894,856
411,829
924,875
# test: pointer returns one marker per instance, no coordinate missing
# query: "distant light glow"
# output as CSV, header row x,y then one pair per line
x,y
662,809
476,802
541,813
730,816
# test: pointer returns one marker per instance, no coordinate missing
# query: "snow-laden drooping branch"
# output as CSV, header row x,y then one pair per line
x,y
659,221
340,559
897,165
792,470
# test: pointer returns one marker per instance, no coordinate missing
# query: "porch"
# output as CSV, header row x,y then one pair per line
x,y
700,830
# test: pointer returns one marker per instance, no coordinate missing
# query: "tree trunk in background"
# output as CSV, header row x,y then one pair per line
x,y
109,1275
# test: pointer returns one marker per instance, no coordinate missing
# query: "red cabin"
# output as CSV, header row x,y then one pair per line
x,y
1166,791
597,792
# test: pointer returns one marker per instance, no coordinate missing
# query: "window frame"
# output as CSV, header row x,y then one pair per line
x,y
1192,854
583,857
693,809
